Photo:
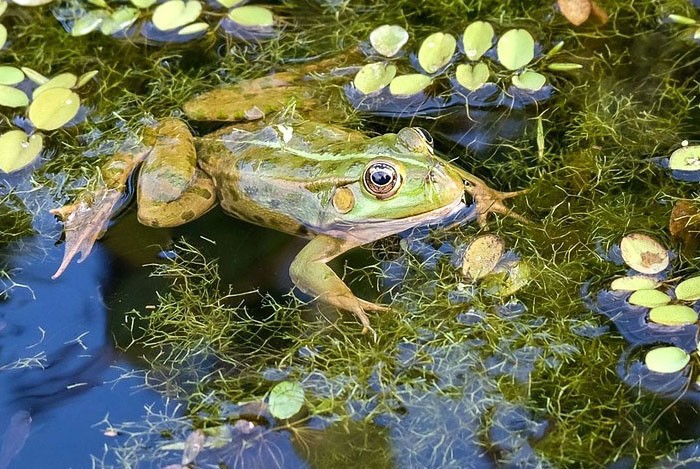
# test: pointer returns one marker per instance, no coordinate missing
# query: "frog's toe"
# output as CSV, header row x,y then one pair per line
x,y
369,306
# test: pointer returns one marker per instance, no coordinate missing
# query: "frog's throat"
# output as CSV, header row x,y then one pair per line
x,y
372,230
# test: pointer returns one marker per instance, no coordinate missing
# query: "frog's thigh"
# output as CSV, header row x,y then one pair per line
x,y
197,200
310,274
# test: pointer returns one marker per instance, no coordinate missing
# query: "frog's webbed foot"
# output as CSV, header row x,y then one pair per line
x,y
311,274
489,200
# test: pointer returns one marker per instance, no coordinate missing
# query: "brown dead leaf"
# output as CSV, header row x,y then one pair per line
x,y
598,15
684,225
576,11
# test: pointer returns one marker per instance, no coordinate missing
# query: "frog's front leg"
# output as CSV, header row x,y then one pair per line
x,y
310,273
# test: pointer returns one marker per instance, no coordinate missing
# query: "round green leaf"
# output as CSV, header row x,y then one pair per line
x,y
3,7
35,76
666,359
477,39
229,3
436,51
649,298
515,49
12,97
686,158
388,39
89,22
252,16
529,80
119,20
16,151
673,315
85,78
563,66
406,85
285,399
62,80
175,13
143,4
688,290
374,77
643,253
31,3
3,36
193,28
472,77
636,282
482,255
54,108
10,75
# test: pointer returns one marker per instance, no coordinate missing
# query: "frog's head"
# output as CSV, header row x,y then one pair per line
x,y
401,186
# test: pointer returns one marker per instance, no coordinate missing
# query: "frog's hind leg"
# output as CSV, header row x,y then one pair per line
x,y
311,274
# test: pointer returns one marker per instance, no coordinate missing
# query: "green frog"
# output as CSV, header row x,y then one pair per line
x,y
302,176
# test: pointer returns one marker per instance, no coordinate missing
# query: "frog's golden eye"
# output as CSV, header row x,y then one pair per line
x,y
382,179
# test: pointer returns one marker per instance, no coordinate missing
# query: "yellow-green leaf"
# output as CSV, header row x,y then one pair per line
x,y
174,14
477,39
35,76
252,16
193,28
515,49
12,97
388,39
10,75
85,78
666,359
286,399
633,283
54,108
374,77
17,151
89,22
472,77
529,80
406,85
3,36
143,4
686,158
673,315
119,20
688,290
482,255
649,298
62,80
436,51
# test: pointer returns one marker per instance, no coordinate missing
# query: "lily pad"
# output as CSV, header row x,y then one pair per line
x,y
54,108
477,39
3,7
673,315
35,76
407,85
374,77
286,399
119,20
515,49
482,255
229,3
388,39
31,3
686,158
143,4
193,28
529,80
62,80
174,14
17,151
633,283
3,36
12,97
89,22
472,77
252,16
649,298
643,253
10,75
85,78
436,51
688,290
666,359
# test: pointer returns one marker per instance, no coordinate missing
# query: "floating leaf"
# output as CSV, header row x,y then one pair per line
x,y
62,80
436,51
688,290
388,39
644,254
10,75
472,77
477,39
143,4
680,19
12,97
252,16
3,36
229,3
673,315
17,151
286,399
686,158
174,14
649,298
89,22
85,78
666,359
54,108
119,20
564,66
515,49
482,255
636,282
3,7
407,85
193,28
31,3
529,80
35,76
374,77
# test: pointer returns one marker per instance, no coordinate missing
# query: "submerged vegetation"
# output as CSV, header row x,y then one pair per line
x,y
462,373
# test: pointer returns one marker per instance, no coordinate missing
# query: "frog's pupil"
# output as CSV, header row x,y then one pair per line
x,y
381,177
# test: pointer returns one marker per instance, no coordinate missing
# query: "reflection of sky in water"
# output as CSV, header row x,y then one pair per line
x,y
61,329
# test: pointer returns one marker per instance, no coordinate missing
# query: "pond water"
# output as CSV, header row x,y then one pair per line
x,y
168,347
